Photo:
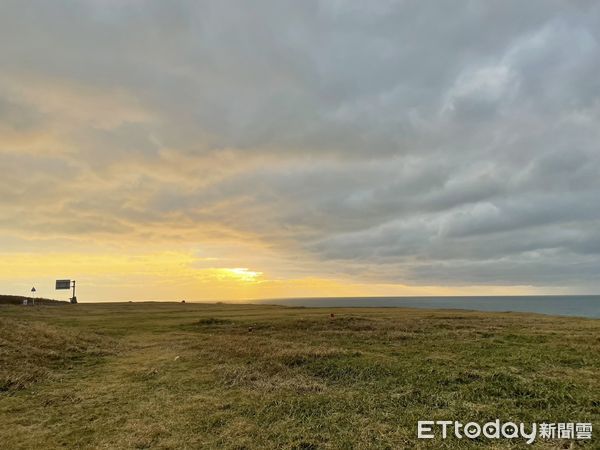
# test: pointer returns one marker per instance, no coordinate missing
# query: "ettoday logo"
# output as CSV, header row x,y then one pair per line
x,y
430,429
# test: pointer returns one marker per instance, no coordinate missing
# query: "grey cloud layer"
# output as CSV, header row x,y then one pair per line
x,y
443,143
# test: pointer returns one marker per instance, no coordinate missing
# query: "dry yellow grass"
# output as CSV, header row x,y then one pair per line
x,y
177,376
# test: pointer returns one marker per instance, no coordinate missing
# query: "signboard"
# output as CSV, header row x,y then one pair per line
x,y
63,284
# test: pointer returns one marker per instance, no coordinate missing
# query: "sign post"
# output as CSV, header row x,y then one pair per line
x,y
66,284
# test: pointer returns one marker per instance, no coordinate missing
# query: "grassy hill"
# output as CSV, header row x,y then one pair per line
x,y
171,375
18,300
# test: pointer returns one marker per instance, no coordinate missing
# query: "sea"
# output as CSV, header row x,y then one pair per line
x,y
556,305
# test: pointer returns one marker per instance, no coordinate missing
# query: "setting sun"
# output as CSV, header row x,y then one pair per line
x,y
240,274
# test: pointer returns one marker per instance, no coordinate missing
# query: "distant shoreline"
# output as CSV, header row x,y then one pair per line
x,y
554,305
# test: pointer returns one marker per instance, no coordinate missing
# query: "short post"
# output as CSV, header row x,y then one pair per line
x,y
74,298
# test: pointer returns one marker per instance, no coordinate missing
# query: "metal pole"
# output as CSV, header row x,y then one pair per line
x,y
74,299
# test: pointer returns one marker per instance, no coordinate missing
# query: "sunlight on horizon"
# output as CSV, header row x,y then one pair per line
x,y
176,275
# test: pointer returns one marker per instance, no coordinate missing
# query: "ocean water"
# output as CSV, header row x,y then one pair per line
x,y
556,305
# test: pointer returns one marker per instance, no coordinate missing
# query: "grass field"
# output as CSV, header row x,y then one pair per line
x,y
170,375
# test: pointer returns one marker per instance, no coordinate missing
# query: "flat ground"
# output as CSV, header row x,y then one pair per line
x,y
159,375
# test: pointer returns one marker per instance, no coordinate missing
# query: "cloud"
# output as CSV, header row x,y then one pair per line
x,y
448,144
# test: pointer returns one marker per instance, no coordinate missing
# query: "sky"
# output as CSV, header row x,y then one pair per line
x,y
228,150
